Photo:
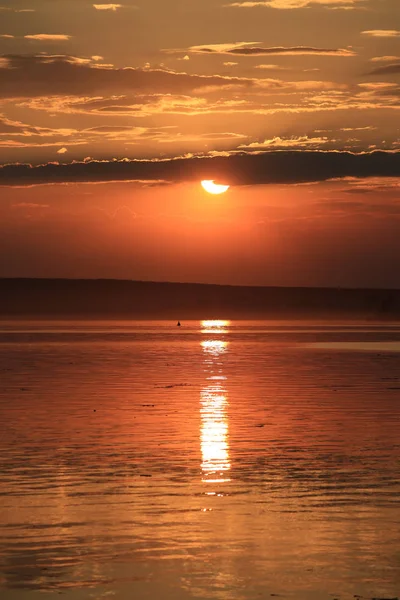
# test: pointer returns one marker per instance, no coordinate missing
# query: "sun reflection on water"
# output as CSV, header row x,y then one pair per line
x,y
215,326
214,430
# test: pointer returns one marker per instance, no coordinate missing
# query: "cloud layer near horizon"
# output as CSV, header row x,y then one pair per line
x,y
281,167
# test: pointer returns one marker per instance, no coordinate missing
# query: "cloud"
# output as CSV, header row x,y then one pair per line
x,y
386,70
294,4
272,67
30,76
377,85
259,97
297,142
294,95
382,33
71,85
254,49
15,134
42,144
385,58
29,205
17,128
112,7
38,37
366,128
275,167
47,37
18,10
372,185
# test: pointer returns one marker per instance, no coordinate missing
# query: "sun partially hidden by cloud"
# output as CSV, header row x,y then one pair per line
x,y
62,151
213,188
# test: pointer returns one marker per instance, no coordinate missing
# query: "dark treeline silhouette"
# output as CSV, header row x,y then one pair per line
x,y
136,299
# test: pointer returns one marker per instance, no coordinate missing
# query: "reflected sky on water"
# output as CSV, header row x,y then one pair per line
x,y
217,460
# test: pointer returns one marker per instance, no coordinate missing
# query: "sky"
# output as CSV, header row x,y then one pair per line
x,y
112,114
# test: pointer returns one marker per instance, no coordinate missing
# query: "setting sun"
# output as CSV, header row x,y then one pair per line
x,y
214,188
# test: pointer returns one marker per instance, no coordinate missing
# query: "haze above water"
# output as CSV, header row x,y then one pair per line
x,y
217,460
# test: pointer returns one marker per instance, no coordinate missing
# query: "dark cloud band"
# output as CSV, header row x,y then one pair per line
x,y
288,167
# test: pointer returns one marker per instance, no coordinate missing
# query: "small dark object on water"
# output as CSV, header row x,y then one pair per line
x,y
168,387
94,410
178,324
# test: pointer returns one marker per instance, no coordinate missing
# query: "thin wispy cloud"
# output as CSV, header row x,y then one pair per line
x,y
377,85
382,33
365,128
391,69
40,37
48,37
385,59
272,67
255,49
289,142
112,7
295,4
17,10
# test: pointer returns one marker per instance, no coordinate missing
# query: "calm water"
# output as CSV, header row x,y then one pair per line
x,y
219,461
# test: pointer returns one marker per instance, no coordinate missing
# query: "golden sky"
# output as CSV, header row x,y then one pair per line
x,y
111,114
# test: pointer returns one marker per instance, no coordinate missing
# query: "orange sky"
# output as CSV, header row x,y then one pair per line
x,y
236,82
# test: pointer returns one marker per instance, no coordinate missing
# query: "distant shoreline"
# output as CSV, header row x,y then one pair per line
x,y
107,298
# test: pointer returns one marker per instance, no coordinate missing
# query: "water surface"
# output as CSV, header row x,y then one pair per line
x,y
217,460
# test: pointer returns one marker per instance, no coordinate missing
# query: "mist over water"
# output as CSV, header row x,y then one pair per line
x,y
219,460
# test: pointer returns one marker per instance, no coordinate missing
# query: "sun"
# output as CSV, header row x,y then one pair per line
x,y
214,188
